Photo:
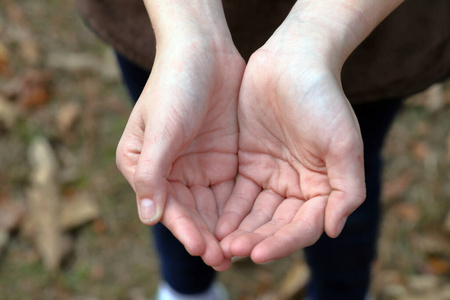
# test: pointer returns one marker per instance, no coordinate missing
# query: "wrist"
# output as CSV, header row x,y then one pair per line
x,y
329,30
195,23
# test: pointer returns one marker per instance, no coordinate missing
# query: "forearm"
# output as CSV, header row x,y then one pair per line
x,y
333,27
201,21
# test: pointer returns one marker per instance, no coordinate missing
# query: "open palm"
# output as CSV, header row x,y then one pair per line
x,y
300,160
179,148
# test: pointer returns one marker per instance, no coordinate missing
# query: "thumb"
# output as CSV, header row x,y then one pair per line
x,y
347,181
150,179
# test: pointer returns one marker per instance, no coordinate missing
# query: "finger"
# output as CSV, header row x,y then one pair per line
x,y
238,206
346,175
194,200
304,230
226,264
227,241
262,212
243,245
206,205
150,181
213,255
138,161
179,221
129,149
222,192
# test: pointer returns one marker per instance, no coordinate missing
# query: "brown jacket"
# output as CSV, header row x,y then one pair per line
x,y
406,53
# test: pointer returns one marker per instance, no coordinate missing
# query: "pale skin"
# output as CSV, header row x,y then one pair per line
x,y
298,148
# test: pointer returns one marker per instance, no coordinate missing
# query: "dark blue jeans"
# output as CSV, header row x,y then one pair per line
x,y
340,267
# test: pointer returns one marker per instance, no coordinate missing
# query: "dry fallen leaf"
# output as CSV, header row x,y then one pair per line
x,y
420,150
71,62
394,188
295,281
447,95
99,226
390,285
447,223
78,210
44,206
416,100
35,89
423,283
11,214
66,117
28,45
30,50
435,243
4,59
8,114
445,292
438,265
408,212
435,97
4,239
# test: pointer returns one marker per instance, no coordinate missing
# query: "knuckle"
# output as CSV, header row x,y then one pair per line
x,y
142,179
120,157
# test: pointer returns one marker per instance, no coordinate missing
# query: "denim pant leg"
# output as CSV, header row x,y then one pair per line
x,y
341,267
184,273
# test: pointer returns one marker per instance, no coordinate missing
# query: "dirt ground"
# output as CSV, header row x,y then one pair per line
x,y
62,112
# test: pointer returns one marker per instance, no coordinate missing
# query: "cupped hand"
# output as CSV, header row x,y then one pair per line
x,y
179,148
300,158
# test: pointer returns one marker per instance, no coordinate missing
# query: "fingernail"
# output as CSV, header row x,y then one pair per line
x,y
340,226
147,209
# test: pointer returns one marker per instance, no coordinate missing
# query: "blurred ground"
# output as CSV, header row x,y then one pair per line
x,y
68,223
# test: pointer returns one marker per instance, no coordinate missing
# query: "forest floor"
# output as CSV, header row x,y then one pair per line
x,y
62,112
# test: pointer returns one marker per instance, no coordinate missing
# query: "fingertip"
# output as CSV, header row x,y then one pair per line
x,y
271,249
225,265
220,231
195,249
223,228
238,205
227,243
190,237
339,206
336,230
213,254
242,246
225,246
340,226
149,212
151,204
260,255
